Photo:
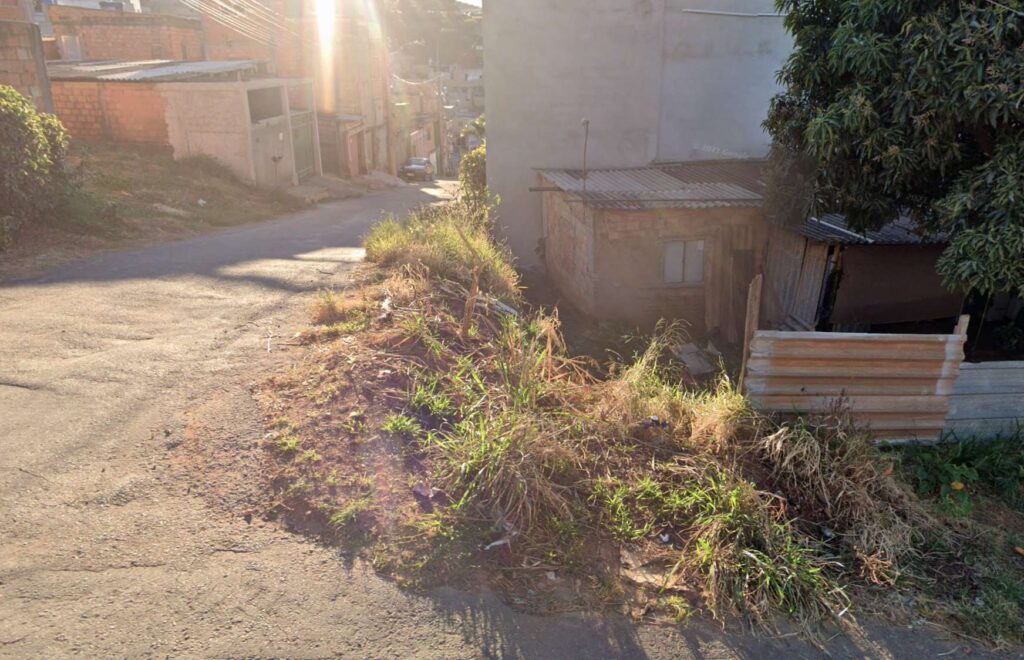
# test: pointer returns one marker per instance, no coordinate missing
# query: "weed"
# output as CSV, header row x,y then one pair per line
x,y
310,456
428,396
950,471
351,512
403,426
450,242
678,607
288,443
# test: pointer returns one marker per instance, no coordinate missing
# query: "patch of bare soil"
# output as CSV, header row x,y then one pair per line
x,y
134,197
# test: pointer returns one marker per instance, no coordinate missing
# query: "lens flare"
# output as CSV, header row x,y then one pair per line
x,y
326,23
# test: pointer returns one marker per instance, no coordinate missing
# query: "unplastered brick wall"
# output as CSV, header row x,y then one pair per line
x,y
22,65
127,36
127,112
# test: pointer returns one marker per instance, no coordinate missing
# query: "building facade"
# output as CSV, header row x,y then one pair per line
x,y
658,80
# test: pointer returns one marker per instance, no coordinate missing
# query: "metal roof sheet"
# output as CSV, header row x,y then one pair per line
x,y
675,185
833,228
145,70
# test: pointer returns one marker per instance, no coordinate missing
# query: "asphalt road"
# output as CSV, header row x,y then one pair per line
x,y
108,548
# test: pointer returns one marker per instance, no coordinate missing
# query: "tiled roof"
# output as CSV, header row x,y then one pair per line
x,y
832,228
700,184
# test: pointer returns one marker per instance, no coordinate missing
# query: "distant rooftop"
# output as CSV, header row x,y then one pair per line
x,y
832,228
696,184
154,70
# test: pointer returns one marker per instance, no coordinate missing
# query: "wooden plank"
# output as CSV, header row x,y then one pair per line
x,y
990,382
1014,365
752,320
808,289
984,428
861,404
983,406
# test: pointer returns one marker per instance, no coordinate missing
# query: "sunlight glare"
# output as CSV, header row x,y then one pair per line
x,y
326,22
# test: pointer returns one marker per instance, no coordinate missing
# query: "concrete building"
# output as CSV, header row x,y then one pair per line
x,y
659,80
22,64
227,110
348,61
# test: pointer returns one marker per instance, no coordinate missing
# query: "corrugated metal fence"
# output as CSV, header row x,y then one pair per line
x,y
897,385
988,400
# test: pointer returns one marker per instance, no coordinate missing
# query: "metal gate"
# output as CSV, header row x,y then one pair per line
x,y
303,136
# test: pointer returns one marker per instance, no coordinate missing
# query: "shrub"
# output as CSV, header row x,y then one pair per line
x,y
451,241
33,147
473,178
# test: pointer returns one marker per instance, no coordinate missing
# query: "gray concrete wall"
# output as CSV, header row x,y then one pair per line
x,y
657,80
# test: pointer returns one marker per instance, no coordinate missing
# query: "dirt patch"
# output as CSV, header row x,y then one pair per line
x,y
133,197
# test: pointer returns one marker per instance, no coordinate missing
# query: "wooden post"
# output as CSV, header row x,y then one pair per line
x,y
962,325
753,321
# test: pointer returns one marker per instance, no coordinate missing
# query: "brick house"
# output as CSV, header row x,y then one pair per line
x,y
104,34
230,111
684,240
667,241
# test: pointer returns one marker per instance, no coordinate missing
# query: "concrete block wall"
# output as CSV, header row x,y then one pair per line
x,y
131,113
22,65
127,36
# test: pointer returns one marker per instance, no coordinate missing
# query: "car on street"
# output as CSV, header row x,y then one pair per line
x,y
418,168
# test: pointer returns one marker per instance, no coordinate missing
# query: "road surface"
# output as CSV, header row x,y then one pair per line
x,y
107,548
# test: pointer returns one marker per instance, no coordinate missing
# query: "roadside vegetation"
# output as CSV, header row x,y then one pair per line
x,y
438,425
59,198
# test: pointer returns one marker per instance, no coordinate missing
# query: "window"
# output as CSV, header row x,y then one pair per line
x,y
265,103
683,262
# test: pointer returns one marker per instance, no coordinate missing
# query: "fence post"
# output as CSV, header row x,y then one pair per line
x,y
753,321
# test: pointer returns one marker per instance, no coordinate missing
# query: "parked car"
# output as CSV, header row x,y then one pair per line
x,y
418,168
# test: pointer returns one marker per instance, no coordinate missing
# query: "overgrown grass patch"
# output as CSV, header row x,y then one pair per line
x,y
456,436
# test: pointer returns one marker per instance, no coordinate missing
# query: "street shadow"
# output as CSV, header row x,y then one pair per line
x,y
256,254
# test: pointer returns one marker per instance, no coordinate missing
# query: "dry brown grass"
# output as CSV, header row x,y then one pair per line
x,y
841,482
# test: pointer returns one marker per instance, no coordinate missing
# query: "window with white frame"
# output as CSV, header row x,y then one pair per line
x,y
683,262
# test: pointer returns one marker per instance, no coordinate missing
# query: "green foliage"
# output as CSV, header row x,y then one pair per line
x,y
403,426
952,470
473,178
33,147
894,107
451,241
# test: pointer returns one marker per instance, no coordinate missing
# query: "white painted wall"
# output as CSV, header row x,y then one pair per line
x,y
660,80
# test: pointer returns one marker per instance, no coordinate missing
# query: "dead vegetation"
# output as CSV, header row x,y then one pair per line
x,y
450,436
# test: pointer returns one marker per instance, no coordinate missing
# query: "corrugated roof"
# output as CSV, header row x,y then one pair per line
x,y
832,228
700,184
146,70
716,183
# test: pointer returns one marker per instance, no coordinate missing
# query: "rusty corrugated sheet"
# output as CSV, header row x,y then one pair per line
x,y
896,385
689,185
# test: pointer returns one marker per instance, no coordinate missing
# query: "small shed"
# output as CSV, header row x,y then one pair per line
x,y
674,240
824,275
261,127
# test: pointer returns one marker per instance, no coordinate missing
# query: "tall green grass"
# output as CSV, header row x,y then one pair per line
x,y
452,241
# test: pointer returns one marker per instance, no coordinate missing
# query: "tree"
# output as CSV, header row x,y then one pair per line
x,y
33,146
908,106
477,127
473,178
